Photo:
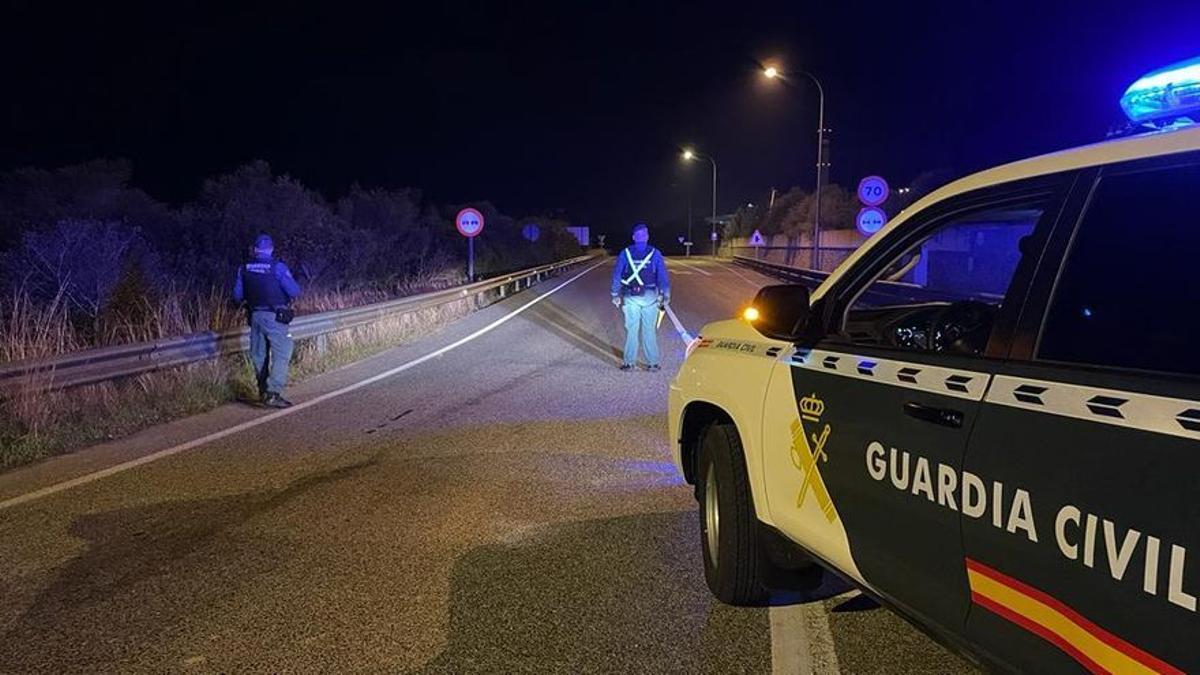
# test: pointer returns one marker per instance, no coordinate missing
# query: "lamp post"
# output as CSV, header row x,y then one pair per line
x,y
691,242
772,73
690,155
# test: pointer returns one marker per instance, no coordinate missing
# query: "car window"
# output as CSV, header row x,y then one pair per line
x,y
944,292
1128,290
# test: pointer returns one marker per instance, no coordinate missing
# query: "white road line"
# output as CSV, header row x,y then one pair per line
x,y
801,641
820,639
693,267
270,417
791,653
733,268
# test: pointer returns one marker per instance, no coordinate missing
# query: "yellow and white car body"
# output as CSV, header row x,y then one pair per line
x,y
989,423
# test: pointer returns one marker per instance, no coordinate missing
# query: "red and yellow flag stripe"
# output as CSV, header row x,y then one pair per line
x,y
1095,648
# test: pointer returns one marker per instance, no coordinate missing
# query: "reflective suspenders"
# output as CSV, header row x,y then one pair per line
x,y
636,268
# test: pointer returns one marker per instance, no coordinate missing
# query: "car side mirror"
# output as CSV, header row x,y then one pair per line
x,y
782,311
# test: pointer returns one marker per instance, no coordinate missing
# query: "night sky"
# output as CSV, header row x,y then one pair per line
x,y
580,106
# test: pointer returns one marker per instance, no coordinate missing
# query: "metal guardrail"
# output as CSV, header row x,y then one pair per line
x,y
91,366
810,278
796,256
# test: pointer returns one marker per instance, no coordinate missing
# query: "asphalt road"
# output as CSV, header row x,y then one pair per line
x,y
506,505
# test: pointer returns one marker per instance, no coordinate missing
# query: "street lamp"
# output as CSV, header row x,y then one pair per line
x,y
772,73
690,155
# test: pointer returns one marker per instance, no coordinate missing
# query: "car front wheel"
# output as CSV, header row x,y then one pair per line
x,y
733,559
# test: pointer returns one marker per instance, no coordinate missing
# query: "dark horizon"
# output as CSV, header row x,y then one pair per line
x,y
537,107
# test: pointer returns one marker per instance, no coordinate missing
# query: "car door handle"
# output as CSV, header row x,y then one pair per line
x,y
927,413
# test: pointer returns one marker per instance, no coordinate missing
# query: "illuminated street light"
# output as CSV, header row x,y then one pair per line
x,y
690,155
772,73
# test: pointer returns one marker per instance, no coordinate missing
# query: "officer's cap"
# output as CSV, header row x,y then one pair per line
x,y
263,243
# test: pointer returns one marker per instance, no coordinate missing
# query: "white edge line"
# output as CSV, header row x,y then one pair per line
x,y
801,639
791,652
822,649
693,267
733,268
250,424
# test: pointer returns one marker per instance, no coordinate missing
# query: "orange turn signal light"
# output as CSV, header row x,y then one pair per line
x,y
750,314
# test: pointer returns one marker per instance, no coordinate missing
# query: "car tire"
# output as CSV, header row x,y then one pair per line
x,y
734,563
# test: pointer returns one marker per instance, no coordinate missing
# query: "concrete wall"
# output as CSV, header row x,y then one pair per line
x,y
836,246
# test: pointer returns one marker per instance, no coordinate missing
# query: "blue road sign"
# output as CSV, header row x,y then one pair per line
x,y
872,190
870,220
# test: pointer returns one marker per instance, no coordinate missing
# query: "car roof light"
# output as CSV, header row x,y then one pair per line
x,y
1165,94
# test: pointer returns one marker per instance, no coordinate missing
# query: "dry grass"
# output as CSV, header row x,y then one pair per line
x,y
331,351
37,425
32,331
34,427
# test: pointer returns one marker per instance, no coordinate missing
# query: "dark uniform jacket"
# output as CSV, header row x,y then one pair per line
x,y
265,284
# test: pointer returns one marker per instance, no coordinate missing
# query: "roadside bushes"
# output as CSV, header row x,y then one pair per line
x,y
87,260
112,265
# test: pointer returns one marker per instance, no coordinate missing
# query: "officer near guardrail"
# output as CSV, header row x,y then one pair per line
x,y
641,288
267,288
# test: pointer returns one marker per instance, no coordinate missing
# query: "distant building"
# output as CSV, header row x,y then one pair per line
x,y
721,220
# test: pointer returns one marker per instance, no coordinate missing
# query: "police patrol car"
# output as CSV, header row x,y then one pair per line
x,y
989,416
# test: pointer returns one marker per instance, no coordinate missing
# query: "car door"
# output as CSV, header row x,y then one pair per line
x,y
1096,418
866,424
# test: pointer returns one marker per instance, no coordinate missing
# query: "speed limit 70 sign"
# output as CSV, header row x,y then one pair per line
x,y
872,191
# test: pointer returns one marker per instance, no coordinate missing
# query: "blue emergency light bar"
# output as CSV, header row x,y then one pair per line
x,y
1165,95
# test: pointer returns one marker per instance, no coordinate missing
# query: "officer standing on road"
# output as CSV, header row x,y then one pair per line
x,y
267,288
641,289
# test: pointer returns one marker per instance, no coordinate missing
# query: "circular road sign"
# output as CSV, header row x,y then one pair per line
x,y
870,220
531,232
469,222
872,190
